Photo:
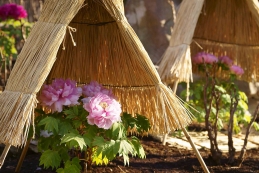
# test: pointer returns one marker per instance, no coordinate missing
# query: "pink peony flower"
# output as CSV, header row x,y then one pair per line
x,y
93,88
12,11
60,93
226,60
236,70
103,110
203,57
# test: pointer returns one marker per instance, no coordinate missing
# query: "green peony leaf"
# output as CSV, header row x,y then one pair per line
x,y
63,154
44,143
77,123
98,141
50,158
71,167
108,149
128,120
124,150
99,160
65,127
71,137
125,159
143,124
256,126
51,124
220,89
71,112
138,147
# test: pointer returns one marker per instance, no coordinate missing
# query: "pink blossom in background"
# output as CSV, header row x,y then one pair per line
x,y
93,88
12,11
103,110
60,93
226,60
4,11
236,70
203,57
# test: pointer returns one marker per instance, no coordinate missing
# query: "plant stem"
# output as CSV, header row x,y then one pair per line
x,y
231,148
243,151
215,152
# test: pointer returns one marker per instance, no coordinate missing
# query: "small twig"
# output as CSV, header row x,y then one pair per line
x,y
121,169
243,151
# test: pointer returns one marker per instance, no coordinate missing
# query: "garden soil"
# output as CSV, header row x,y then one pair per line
x,y
159,159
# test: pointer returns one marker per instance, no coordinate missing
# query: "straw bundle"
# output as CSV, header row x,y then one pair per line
x,y
176,61
230,28
108,51
33,64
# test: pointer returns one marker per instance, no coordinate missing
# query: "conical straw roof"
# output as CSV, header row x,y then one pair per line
x,y
103,48
230,28
176,61
224,28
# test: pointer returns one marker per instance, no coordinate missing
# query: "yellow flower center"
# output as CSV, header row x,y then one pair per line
x,y
103,105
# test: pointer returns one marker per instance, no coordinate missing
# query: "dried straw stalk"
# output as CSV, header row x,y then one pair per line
x,y
33,64
108,51
176,61
230,28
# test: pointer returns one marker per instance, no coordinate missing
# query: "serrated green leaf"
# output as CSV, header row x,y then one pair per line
x,y
256,126
75,161
220,89
128,120
98,141
138,147
88,142
50,123
91,132
50,158
75,110
219,124
70,137
64,127
71,167
77,123
71,112
64,154
44,143
142,123
107,149
99,160
117,131
125,149
125,159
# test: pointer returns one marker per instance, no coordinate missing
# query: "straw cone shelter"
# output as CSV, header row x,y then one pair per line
x,y
86,40
224,28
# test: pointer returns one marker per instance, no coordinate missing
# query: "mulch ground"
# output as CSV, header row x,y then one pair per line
x,y
159,159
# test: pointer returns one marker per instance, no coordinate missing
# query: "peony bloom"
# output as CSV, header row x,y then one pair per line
x,y
103,110
236,70
93,88
226,60
203,57
12,11
60,93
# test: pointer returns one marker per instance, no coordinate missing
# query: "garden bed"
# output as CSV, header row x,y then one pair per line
x,y
159,158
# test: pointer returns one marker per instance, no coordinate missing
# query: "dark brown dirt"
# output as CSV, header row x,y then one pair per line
x,y
160,159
